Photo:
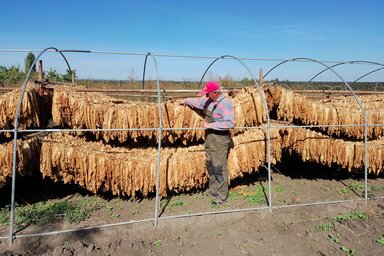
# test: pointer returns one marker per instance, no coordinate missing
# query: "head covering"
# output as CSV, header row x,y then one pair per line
x,y
210,87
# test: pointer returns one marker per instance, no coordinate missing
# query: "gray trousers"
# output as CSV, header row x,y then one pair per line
x,y
216,150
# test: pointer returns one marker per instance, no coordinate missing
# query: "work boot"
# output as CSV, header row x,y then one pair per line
x,y
217,202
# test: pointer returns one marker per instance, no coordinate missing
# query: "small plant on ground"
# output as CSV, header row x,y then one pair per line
x,y
111,213
326,189
257,197
325,227
375,188
345,190
347,251
134,211
177,202
357,215
357,186
334,239
381,240
279,189
157,243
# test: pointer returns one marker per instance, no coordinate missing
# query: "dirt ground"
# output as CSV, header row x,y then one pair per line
x,y
294,226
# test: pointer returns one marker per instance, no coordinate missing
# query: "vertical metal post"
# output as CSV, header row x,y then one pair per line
x,y
15,130
16,124
160,132
269,168
365,158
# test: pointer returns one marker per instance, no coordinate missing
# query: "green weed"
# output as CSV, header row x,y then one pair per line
x,y
348,251
345,190
157,243
90,202
357,186
375,188
334,239
177,202
135,211
219,234
257,197
233,196
114,215
325,227
309,232
381,240
279,189
357,215
326,189
76,215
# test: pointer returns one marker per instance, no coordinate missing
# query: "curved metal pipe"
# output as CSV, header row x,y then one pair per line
x,y
342,63
16,123
373,71
144,69
69,67
269,71
310,80
360,106
201,80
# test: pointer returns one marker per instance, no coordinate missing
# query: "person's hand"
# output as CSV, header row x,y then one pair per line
x,y
205,124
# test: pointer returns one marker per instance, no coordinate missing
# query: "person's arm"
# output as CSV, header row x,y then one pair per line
x,y
195,102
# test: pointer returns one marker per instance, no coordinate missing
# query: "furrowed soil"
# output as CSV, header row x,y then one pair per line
x,y
296,225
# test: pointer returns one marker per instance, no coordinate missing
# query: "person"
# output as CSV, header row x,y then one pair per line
x,y
219,118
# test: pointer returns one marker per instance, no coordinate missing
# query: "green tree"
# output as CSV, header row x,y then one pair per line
x,y
29,61
11,75
67,77
52,75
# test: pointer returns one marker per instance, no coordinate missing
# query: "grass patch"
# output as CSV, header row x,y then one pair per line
x,y
43,213
279,189
232,196
345,190
357,186
256,197
177,202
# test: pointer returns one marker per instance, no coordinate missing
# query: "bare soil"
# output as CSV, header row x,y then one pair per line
x,y
297,225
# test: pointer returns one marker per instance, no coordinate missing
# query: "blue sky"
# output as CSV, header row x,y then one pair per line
x,y
329,30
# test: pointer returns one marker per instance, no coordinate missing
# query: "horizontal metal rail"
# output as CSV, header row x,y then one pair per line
x,y
233,211
261,127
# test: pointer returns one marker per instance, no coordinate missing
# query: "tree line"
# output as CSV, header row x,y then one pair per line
x,y
14,75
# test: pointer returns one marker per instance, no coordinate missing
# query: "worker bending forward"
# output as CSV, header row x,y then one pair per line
x,y
218,119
